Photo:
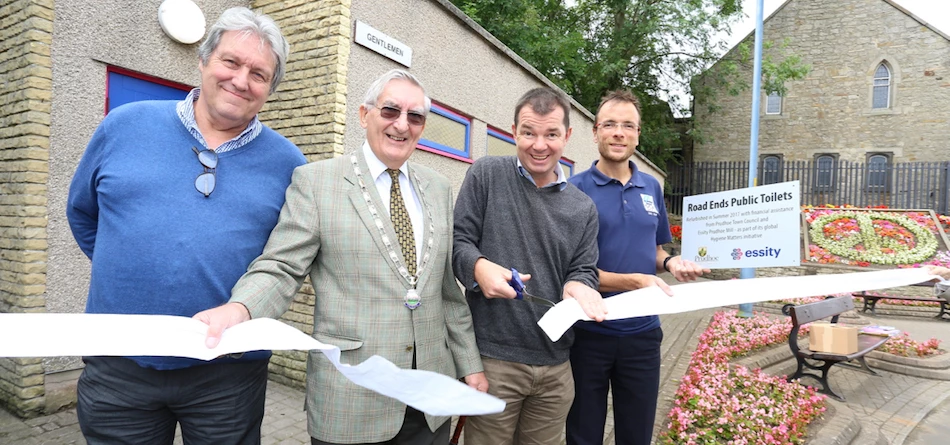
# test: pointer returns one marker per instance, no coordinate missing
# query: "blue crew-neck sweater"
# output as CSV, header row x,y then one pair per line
x,y
157,245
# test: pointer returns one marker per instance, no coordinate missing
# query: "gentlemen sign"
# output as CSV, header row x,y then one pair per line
x,y
381,43
752,227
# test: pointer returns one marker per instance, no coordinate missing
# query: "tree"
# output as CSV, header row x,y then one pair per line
x,y
652,47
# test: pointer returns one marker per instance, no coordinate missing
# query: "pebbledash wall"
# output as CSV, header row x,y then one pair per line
x,y
55,57
830,110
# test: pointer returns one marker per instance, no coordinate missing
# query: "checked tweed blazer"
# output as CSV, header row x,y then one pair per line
x,y
326,230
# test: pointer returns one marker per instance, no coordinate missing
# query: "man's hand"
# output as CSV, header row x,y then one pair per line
x,y
477,381
493,280
641,280
590,300
685,270
220,318
939,271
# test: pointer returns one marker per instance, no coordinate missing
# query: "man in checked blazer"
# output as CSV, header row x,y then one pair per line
x,y
376,292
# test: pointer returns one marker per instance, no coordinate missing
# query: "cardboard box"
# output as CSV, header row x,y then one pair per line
x,y
833,338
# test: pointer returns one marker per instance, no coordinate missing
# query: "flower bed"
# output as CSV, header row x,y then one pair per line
x,y
859,300
904,346
677,232
717,403
862,238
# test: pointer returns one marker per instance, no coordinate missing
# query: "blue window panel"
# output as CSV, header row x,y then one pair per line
x,y
124,89
568,167
461,152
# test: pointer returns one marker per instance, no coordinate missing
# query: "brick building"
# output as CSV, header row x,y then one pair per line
x,y
66,63
877,92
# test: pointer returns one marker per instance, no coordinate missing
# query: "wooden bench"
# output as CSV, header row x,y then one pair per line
x,y
823,361
870,302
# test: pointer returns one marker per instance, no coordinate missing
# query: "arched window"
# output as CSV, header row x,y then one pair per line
x,y
882,88
878,172
825,166
771,169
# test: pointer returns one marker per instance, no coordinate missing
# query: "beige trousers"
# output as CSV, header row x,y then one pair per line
x,y
538,399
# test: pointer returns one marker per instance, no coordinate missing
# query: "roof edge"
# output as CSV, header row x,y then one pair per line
x,y
918,19
448,6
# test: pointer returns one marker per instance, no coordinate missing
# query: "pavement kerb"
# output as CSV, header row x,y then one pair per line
x,y
902,436
838,426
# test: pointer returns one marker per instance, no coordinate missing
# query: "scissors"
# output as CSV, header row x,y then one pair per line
x,y
518,285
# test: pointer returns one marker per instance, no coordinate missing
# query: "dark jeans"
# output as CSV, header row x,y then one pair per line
x,y
630,366
414,431
123,403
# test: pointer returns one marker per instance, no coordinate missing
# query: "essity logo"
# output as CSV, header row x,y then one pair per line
x,y
736,254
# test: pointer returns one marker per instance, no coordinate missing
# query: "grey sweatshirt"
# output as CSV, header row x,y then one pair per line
x,y
549,233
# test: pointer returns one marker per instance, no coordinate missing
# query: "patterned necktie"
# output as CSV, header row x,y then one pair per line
x,y
401,223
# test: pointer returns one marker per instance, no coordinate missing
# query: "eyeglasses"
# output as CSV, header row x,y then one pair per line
x,y
629,127
393,113
205,181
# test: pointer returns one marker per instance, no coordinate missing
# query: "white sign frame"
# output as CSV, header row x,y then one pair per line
x,y
744,228
381,43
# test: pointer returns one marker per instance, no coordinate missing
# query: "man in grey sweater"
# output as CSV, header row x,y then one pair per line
x,y
520,212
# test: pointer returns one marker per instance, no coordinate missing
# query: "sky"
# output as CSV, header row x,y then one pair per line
x,y
934,12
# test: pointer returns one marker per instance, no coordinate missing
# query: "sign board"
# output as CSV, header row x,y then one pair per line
x,y
751,227
381,43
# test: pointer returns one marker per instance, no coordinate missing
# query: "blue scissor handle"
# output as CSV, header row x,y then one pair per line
x,y
517,284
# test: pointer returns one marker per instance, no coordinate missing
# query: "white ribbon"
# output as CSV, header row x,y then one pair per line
x,y
159,335
710,294
50,335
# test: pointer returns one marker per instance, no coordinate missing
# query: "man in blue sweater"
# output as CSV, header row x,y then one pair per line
x,y
520,212
622,355
171,202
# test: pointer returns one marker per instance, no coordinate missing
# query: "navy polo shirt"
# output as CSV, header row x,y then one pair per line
x,y
632,223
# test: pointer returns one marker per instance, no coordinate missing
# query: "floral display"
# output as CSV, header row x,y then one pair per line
x,y
904,346
677,232
863,238
718,403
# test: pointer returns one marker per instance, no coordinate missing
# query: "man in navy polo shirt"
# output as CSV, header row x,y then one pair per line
x,y
622,354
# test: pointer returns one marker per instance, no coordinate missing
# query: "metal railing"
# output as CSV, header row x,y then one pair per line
x,y
907,185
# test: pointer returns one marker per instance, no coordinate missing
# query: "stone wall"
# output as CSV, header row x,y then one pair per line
x,y
26,28
309,108
829,111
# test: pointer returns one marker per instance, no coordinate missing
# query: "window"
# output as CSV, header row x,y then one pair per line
x,y
124,86
773,104
568,166
771,169
881,95
826,166
500,143
878,172
447,133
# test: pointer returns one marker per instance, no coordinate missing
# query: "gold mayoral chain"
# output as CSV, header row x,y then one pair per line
x,y
412,299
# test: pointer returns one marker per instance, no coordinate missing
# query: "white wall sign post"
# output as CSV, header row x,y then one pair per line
x,y
744,228
375,40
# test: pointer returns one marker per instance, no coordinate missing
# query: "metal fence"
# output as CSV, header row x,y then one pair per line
x,y
908,185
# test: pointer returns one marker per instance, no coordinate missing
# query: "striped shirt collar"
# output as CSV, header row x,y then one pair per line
x,y
186,112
